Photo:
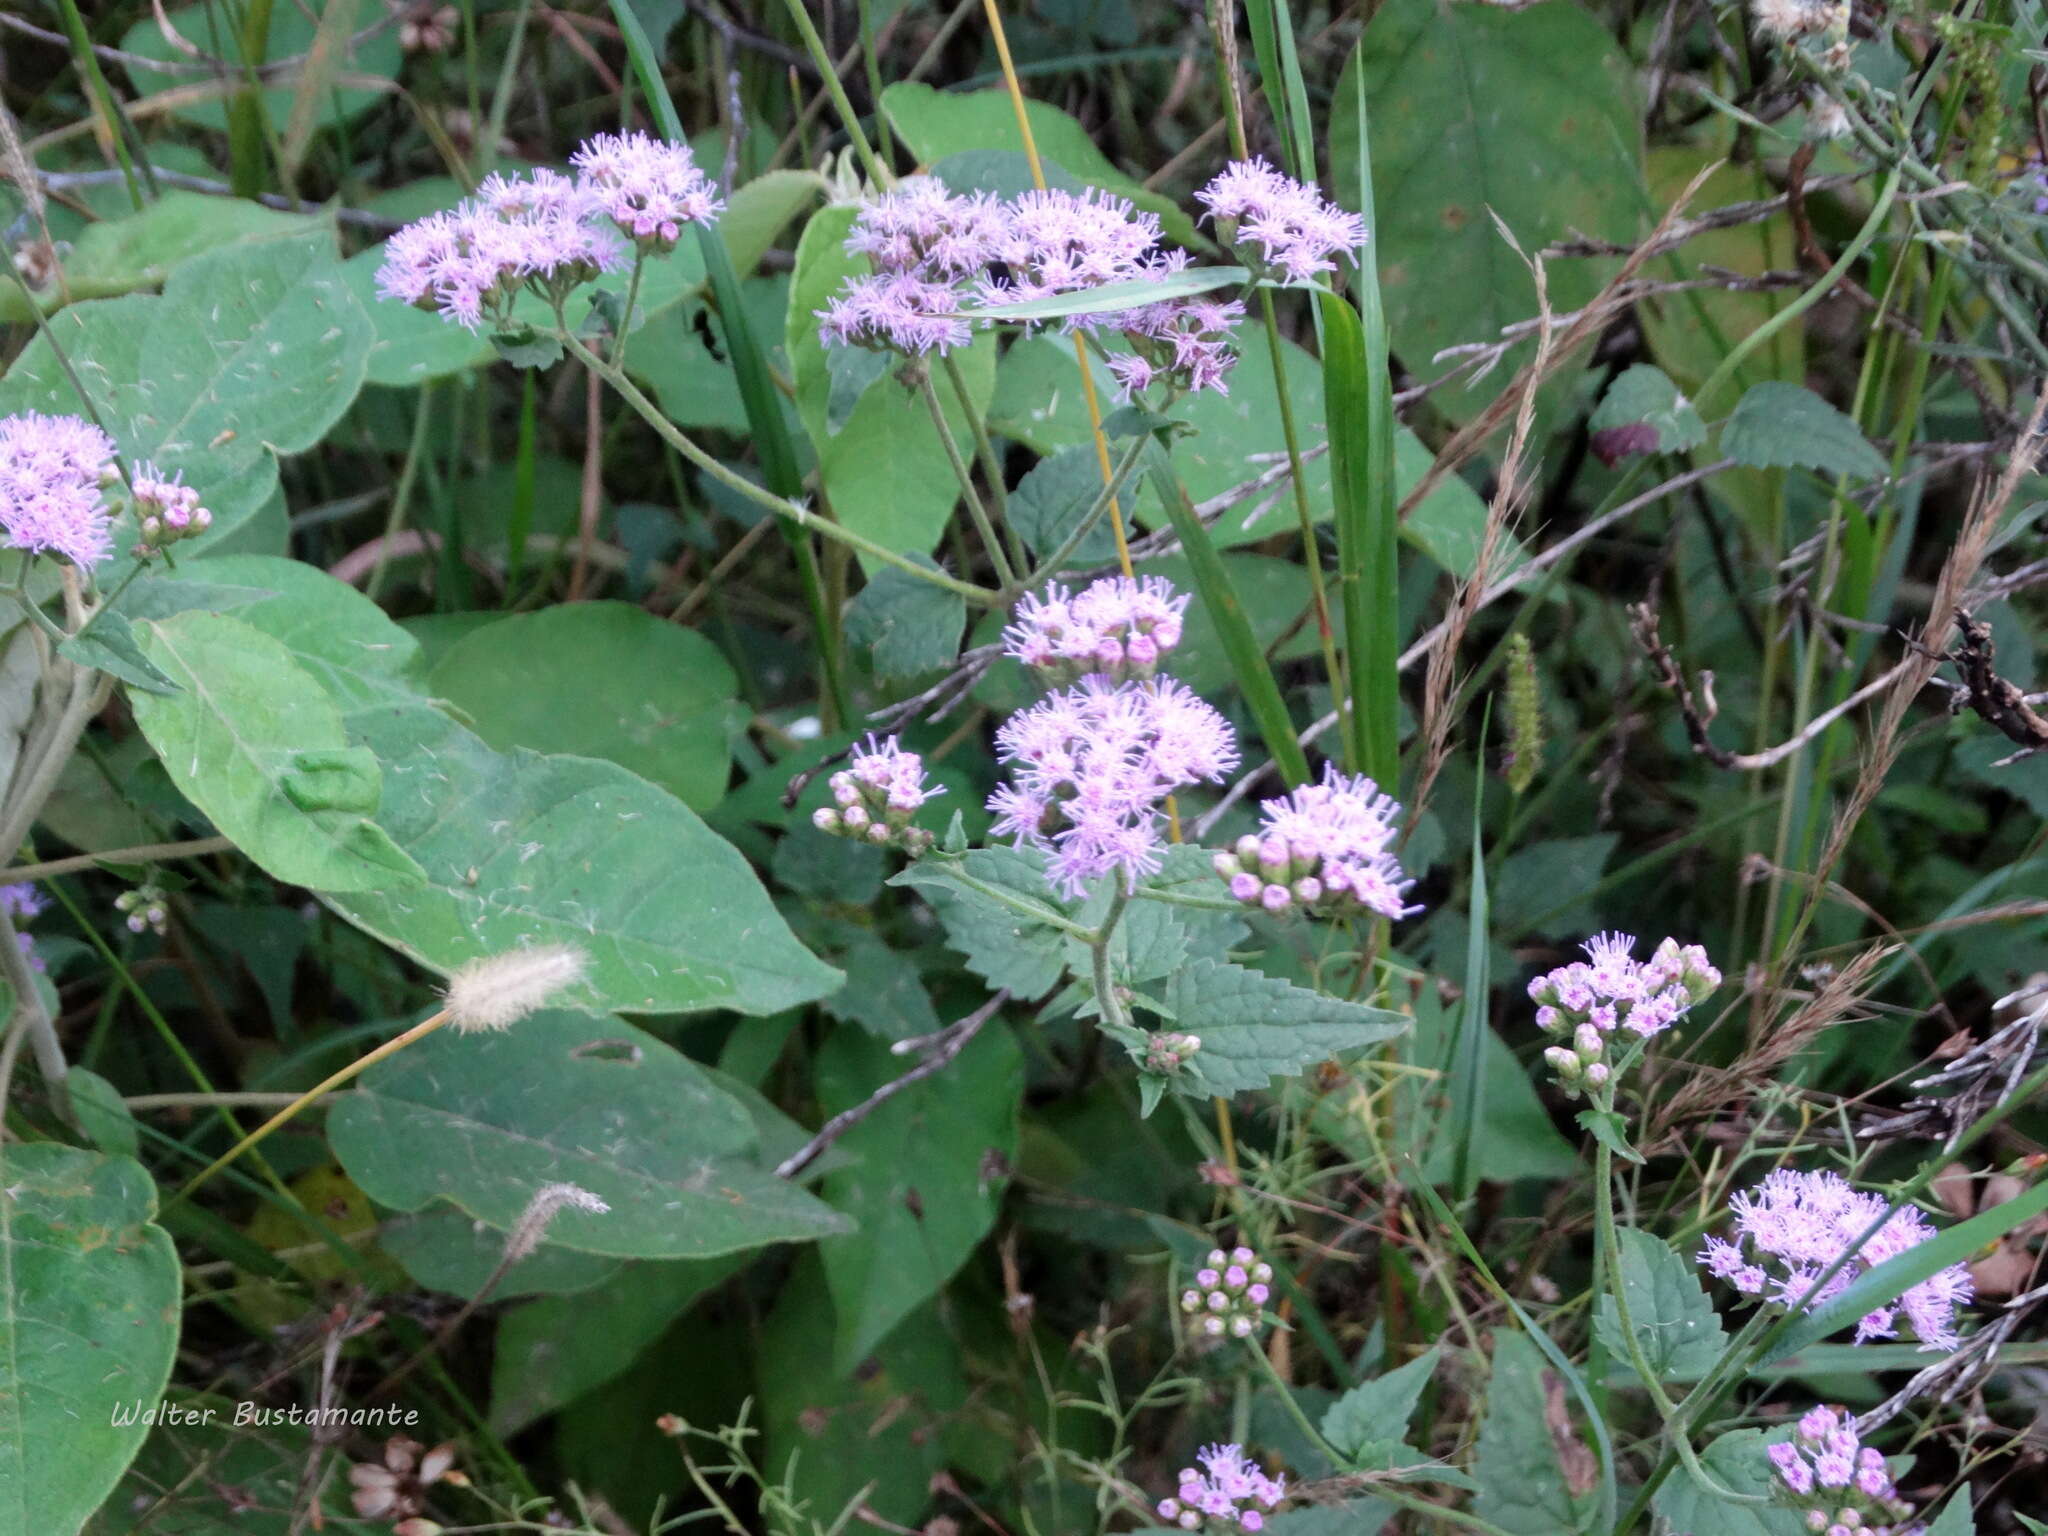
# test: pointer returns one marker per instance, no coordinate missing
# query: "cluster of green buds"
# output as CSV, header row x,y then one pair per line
x,y
875,798
1229,1294
166,509
1168,1052
144,909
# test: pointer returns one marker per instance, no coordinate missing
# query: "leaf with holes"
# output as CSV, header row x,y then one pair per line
x,y
484,1121
89,1290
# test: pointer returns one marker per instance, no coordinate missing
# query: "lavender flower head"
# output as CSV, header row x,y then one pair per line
x,y
1327,849
52,470
1227,1492
1090,767
1790,1229
166,509
876,797
646,186
895,312
1185,344
470,262
1060,242
1840,1484
1229,1295
22,901
1610,990
1116,627
921,228
1296,231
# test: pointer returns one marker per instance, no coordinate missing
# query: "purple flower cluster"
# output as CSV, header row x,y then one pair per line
x,y
648,187
53,470
1227,1492
1054,243
166,509
1116,627
924,244
1185,343
1840,1484
877,796
22,901
1790,1230
1229,1294
1297,232
1326,848
1609,991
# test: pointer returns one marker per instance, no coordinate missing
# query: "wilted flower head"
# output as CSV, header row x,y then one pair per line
x,y
920,228
1784,21
1326,848
895,312
1611,990
52,469
1840,1484
1227,1492
1117,627
549,1201
394,1487
876,795
470,262
166,509
1229,1296
1297,232
497,991
1091,765
1056,242
1789,1231
649,187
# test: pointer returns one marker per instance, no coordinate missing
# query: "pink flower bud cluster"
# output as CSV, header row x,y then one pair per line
x,y
1167,1051
876,797
1285,228
53,476
1325,849
1793,1227
545,233
1229,1295
1226,1492
1840,1485
166,509
143,909
1117,628
1590,1000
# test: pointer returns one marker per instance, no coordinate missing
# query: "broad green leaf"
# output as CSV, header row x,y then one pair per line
x,y
98,1110
606,680
884,994
1052,499
519,848
1644,395
251,351
445,1250
1480,112
1778,425
485,1120
1736,1461
1255,1027
1538,886
139,250
1379,1410
910,626
1353,1517
922,1188
292,30
89,1291
936,124
1956,1518
1006,947
1523,1487
550,1352
884,469
1675,1324
255,742
679,353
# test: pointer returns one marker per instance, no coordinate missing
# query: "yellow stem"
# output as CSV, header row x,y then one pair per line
x,y
339,1079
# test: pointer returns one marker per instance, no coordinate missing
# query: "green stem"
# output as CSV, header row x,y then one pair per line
x,y
981,597
632,298
1005,573
1023,906
985,453
103,98
848,118
1050,566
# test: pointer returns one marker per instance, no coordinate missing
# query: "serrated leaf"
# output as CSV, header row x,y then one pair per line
x,y
1675,1323
1003,946
1644,394
1522,1486
1379,1410
108,644
1780,426
89,1289
1611,1131
244,735
1737,1461
910,626
1254,1027
485,1120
